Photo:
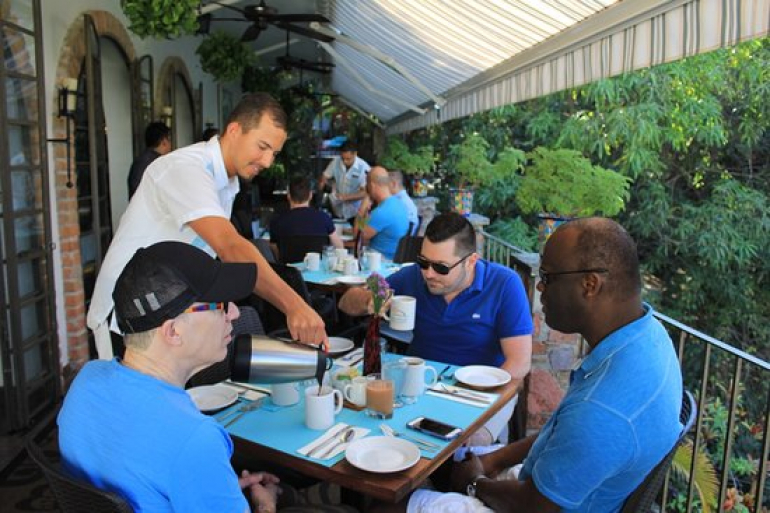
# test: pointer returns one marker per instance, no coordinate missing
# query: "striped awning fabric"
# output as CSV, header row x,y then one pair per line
x,y
481,54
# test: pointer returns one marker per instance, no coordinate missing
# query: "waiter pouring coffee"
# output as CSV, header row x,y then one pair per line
x,y
471,311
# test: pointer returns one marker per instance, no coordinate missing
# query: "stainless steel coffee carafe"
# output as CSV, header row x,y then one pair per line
x,y
261,359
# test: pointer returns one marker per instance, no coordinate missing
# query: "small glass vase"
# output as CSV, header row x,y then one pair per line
x,y
372,360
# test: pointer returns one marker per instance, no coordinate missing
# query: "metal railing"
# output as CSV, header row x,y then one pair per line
x,y
722,378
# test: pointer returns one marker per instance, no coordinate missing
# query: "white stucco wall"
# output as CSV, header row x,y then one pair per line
x,y
57,17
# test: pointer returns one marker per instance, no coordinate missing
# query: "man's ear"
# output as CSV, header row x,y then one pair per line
x,y
169,332
592,284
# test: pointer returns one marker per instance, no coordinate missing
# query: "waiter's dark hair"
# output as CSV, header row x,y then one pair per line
x,y
452,225
249,111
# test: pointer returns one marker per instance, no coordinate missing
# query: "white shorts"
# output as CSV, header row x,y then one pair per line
x,y
428,501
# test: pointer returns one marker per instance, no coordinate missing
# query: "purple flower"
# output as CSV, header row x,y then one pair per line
x,y
381,292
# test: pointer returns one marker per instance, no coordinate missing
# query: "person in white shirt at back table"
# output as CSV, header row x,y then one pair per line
x,y
348,171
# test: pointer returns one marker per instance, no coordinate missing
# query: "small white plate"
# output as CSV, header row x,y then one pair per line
x,y
339,345
212,397
482,376
351,280
382,454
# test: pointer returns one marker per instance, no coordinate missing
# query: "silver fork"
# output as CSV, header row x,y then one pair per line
x,y
240,412
424,444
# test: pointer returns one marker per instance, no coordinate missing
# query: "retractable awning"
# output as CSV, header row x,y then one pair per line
x,y
400,59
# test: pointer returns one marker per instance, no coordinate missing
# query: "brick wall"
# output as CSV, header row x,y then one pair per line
x,y
71,58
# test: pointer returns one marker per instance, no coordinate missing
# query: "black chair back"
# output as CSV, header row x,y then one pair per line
x,y
642,499
408,249
248,322
73,495
263,246
293,249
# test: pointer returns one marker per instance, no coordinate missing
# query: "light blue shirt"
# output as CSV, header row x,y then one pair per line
x,y
389,220
143,438
618,420
411,209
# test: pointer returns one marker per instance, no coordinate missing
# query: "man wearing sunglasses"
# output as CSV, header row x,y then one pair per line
x,y
469,311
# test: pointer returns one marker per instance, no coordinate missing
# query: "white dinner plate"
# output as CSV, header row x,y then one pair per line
x,y
351,280
482,376
382,454
213,397
339,345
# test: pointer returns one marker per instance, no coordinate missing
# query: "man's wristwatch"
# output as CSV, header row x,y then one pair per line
x,y
470,491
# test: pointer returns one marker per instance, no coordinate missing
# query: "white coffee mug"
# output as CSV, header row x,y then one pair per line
x,y
313,261
414,382
351,266
375,260
402,312
341,253
321,409
284,394
355,392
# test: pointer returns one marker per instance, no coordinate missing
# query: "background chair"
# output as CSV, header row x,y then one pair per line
x,y
73,495
408,249
263,246
275,320
293,249
248,322
641,500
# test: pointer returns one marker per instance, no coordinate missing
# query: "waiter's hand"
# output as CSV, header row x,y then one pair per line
x,y
306,325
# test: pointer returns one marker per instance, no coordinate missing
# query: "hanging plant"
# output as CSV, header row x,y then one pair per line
x,y
224,56
161,18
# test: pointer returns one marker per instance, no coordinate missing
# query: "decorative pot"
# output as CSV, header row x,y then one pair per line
x,y
547,224
461,201
419,187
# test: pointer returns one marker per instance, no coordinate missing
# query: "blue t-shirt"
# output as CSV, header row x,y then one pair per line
x,y
390,221
144,438
619,418
468,330
300,221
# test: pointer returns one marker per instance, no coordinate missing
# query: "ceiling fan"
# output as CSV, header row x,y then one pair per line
x,y
261,16
287,62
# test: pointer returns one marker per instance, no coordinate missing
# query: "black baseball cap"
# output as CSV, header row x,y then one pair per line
x,y
162,280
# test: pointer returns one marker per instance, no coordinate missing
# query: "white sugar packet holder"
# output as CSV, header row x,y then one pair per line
x,y
332,432
245,391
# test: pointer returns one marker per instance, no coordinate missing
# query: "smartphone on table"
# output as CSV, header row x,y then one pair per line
x,y
434,428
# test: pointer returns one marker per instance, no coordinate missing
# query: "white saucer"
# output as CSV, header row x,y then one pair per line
x,y
382,454
482,376
339,345
212,397
351,280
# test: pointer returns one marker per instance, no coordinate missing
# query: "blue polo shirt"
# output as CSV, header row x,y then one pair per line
x,y
468,330
618,420
390,221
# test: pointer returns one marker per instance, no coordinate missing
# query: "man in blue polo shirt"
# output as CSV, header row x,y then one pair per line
x,y
384,226
469,311
620,416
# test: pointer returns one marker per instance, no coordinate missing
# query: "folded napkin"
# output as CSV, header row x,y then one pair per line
x,y
350,359
332,433
462,395
247,392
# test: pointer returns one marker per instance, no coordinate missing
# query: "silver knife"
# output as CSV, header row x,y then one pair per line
x,y
463,396
332,438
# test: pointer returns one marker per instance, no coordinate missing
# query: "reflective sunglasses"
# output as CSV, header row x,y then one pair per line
x,y
545,276
205,307
440,268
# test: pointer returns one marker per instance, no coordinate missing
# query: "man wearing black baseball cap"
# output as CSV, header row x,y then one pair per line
x,y
128,425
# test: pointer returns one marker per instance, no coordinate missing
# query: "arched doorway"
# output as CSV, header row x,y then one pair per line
x,y
177,102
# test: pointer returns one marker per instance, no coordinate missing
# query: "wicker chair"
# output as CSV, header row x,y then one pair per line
x,y
73,495
642,499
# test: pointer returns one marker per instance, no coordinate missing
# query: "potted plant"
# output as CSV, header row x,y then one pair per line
x,y
224,56
416,164
474,169
161,18
559,184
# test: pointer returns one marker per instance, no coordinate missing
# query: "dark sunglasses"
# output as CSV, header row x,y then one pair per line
x,y
545,276
205,307
440,268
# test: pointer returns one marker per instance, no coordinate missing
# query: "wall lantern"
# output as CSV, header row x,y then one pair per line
x,y
67,103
